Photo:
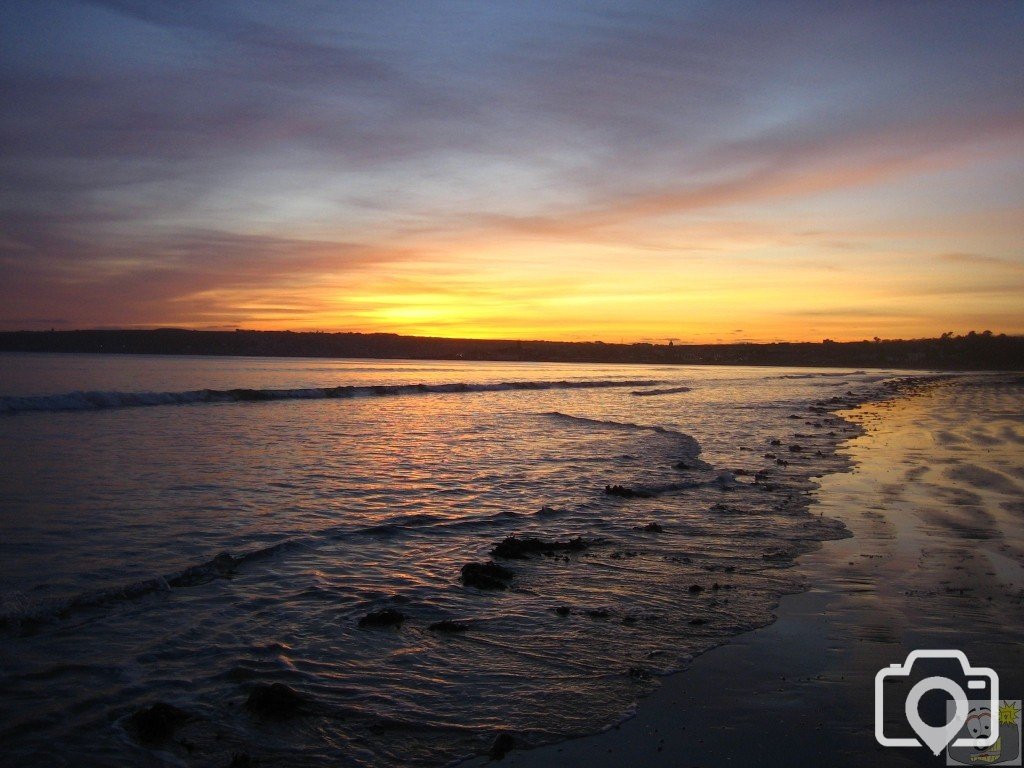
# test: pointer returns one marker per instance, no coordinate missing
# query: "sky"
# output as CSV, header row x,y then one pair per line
x,y
621,171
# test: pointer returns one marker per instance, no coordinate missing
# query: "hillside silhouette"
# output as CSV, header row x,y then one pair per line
x,y
971,351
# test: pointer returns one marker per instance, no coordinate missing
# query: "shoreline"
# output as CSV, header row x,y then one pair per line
x,y
800,689
791,690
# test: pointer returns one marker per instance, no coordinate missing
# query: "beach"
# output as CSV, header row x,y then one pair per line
x,y
300,562
426,385
936,508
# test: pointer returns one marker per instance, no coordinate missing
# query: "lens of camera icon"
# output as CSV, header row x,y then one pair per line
x,y
936,738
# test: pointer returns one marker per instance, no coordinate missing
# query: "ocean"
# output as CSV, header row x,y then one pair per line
x,y
191,530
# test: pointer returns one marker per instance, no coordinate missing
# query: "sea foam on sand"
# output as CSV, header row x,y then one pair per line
x,y
936,506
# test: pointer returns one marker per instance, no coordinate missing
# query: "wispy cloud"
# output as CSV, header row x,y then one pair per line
x,y
982,260
231,163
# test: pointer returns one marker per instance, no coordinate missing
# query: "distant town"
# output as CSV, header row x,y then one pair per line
x,y
970,351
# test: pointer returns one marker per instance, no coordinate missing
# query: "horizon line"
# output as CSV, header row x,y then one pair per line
x,y
666,342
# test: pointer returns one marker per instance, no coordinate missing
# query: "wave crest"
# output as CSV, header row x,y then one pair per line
x,y
92,401
691,447
668,391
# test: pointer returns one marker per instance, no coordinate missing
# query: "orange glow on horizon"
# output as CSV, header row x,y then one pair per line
x,y
766,292
695,173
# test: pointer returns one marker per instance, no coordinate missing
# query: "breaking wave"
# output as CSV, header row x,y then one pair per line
x,y
668,391
690,444
91,401
17,612
818,375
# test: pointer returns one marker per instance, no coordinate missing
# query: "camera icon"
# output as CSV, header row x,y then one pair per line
x,y
981,681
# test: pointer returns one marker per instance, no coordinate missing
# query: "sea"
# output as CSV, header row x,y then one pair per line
x,y
196,531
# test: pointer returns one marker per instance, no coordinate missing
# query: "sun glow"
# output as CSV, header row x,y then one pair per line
x,y
508,188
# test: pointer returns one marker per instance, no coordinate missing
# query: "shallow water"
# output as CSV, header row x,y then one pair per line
x,y
934,501
332,506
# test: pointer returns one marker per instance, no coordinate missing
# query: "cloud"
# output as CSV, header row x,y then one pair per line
x,y
33,322
982,260
853,312
189,161
177,275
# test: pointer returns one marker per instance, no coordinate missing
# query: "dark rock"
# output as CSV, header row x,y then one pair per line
x,y
487,575
782,462
695,588
275,700
629,620
563,610
242,760
447,625
502,745
639,673
385,617
770,456
682,465
650,528
157,722
516,548
775,441
795,448
626,493
698,622
598,613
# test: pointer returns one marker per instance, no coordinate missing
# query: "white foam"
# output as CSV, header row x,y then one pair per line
x,y
91,401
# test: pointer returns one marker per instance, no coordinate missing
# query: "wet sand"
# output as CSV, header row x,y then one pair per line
x,y
936,506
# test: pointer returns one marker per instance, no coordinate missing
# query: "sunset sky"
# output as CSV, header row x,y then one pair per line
x,y
698,171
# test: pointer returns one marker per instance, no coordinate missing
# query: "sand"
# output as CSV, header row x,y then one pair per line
x,y
936,506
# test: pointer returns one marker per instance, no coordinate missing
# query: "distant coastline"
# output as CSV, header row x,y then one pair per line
x,y
972,351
